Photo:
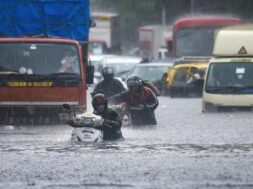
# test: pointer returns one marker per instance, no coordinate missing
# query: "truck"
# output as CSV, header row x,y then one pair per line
x,y
35,38
192,42
153,40
104,37
228,85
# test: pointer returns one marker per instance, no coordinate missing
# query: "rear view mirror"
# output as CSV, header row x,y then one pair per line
x,y
66,107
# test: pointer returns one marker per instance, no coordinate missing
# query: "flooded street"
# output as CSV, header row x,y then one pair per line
x,y
187,149
55,55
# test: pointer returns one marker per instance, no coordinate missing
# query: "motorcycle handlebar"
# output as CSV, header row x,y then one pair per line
x,y
73,124
136,108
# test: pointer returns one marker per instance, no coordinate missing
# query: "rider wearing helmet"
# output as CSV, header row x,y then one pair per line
x,y
111,125
141,102
109,86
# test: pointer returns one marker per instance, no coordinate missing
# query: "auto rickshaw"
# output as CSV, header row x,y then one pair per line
x,y
186,79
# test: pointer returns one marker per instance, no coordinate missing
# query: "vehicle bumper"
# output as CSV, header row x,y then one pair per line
x,y
35,113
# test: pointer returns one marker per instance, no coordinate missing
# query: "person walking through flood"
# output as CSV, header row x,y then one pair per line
x,y
141,102
111,122
109,86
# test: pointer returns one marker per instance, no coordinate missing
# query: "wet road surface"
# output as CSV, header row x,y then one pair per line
x,y
187,149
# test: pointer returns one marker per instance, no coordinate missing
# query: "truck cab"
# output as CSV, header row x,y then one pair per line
x,y
229,79
43,60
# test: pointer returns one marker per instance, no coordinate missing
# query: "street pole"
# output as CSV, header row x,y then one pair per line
x,y
163,16
192,7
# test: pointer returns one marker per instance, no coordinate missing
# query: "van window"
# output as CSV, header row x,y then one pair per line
x,y
230,76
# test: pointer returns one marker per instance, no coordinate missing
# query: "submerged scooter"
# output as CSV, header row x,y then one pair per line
x,y
86,126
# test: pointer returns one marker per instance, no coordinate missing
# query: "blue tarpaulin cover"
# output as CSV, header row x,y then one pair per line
x,y
55,18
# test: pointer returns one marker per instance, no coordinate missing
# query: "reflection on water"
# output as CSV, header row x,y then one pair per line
x,y
137,140
128,146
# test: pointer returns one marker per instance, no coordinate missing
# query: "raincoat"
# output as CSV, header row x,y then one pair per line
x,y
109,87
111,126
141,105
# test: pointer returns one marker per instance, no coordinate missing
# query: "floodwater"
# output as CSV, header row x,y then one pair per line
x,y
187,149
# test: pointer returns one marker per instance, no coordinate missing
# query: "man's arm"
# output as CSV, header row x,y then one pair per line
x,y
121,97
66,63
113,122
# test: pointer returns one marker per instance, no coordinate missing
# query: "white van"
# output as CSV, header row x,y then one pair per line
x,y
229,79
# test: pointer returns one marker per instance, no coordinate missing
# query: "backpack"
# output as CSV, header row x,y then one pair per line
x,y
152,87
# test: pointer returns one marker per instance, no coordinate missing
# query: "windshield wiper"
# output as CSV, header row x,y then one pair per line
x,y
227,89
8,72
63,75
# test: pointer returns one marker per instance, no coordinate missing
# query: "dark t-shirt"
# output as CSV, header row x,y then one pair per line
x,y
112,125
109,88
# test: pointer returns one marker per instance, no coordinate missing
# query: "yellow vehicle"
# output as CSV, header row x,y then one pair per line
x,y
186,77
229,79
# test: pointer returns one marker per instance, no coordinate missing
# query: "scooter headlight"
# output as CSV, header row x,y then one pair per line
x,y
87,121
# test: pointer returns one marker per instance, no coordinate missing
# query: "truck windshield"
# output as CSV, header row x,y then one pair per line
x,y
38,59
195,41
229,78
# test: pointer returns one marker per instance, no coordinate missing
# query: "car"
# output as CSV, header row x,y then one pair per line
x,y
153,72
182,79
122,66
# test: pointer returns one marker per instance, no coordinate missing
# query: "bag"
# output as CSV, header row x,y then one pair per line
x,y
151,86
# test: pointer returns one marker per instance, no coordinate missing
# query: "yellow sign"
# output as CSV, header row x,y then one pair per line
x,y
30,84
103,18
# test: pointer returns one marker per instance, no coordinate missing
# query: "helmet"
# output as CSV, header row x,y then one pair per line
x,y
134,82
108,73
99,102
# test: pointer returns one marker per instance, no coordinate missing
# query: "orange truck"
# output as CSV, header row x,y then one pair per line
x,y
37,39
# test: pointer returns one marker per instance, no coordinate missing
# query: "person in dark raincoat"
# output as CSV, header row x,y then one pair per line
x,y
109,86
141,102
111,124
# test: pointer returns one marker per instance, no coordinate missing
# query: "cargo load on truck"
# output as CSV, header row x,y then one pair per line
x,y
43,53
46,18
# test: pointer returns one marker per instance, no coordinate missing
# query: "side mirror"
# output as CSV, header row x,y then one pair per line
x,y
92,23
89,67
170,47
70,122
89,74
66,107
